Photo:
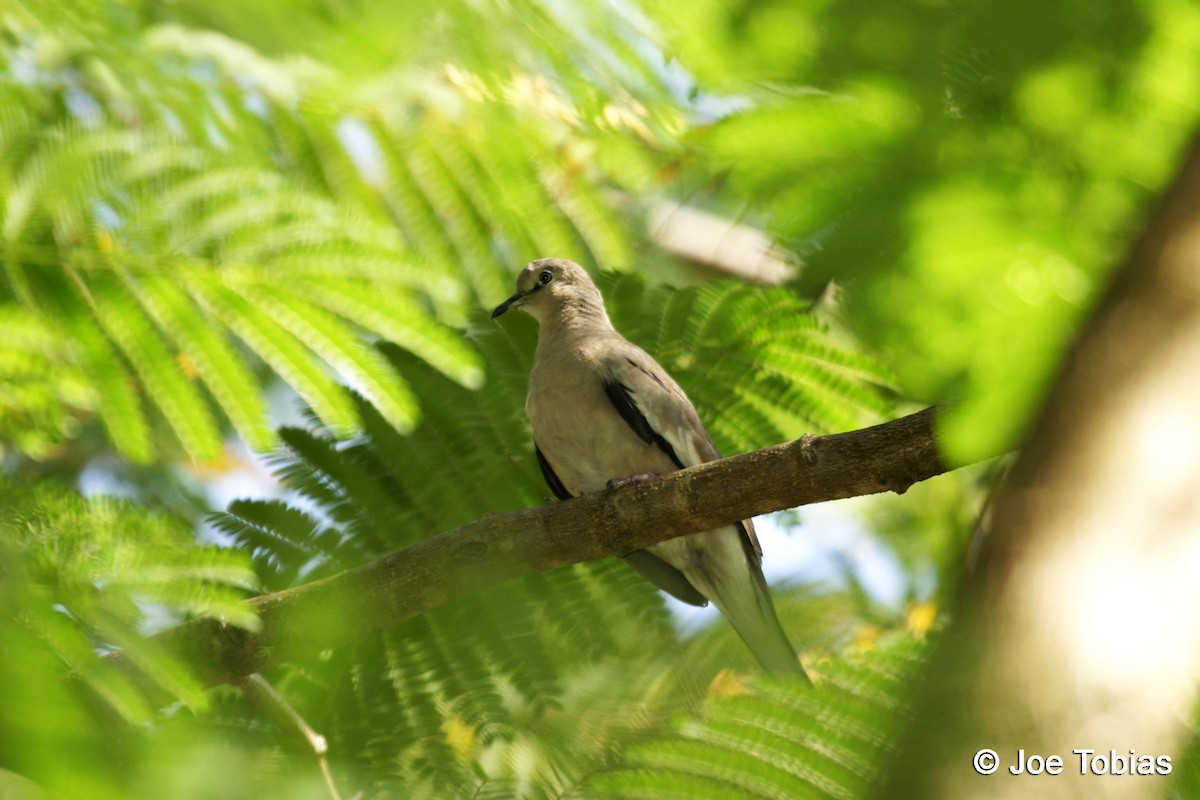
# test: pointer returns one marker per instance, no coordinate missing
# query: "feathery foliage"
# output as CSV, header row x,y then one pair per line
x,y
196,216
778,740
38,385
969,174
83,577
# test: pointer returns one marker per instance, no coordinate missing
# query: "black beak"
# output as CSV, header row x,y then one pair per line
x,y
507,304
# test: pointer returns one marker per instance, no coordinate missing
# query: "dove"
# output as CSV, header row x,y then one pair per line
x,y
603,411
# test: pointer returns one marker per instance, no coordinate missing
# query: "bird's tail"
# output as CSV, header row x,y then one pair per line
x,y
753,616
746,603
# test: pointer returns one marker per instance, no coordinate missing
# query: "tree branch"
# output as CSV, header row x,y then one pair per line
x,y
361,602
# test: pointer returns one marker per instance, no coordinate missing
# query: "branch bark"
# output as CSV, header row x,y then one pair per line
x,y
362,602
1081,628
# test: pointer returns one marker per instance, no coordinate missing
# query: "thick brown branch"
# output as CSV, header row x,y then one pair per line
x,y
361,602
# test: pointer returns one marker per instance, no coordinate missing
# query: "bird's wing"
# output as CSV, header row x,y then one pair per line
x,y
659,412
552,480
664,576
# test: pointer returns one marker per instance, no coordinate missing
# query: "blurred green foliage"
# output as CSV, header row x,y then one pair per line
x,y
201,201
970,171
79,578
777,739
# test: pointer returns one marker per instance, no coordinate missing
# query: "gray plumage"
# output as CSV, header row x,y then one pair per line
x,y
602,409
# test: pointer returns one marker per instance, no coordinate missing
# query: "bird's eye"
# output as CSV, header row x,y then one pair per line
x,y
545,276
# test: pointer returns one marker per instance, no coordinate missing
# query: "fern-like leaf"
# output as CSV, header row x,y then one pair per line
x,y
779,740
757,366
82,573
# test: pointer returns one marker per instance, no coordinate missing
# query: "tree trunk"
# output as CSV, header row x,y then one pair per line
x,y
1080,627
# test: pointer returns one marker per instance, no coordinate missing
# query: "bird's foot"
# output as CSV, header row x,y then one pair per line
x,y
617,483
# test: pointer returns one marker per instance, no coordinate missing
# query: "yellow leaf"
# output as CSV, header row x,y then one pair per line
x,y
223,462
727,683
460,736
866,638
919,618
187,366
811,662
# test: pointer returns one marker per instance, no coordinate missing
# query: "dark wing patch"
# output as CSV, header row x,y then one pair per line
x,y
618,395
552,480
664,576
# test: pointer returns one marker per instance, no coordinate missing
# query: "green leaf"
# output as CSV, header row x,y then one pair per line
x,y
166,384
343,348
115,396
216,362
780,739
277,346
83,574
394,316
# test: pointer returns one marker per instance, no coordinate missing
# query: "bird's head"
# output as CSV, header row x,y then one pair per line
x,y
554,286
